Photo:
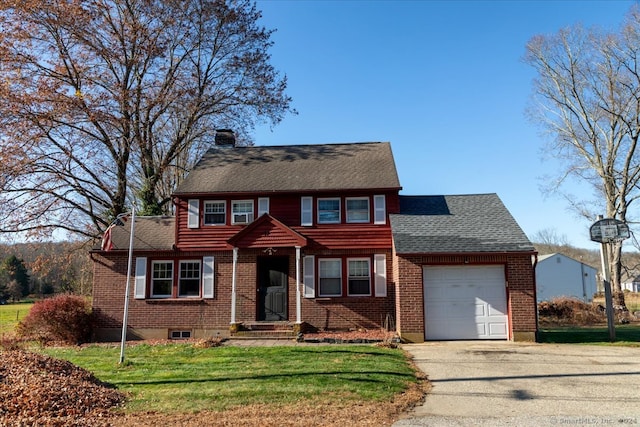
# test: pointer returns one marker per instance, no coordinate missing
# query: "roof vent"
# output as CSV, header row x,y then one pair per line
x,y
225,138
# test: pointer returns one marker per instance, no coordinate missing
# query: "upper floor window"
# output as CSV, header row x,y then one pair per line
x,y
329,211
359,276
162,279
189,279
358,209
241,211
215,213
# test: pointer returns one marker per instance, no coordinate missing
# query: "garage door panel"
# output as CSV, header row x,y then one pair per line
x,y
465,302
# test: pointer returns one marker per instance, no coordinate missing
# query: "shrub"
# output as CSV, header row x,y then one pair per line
x,y
65,318
570,311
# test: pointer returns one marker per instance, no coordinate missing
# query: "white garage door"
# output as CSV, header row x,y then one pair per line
x,y
465,302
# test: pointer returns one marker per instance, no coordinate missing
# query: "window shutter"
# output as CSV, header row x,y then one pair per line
x,y
140,283
263,206
309,276
306,214
380,273
193,220
380,209
207,277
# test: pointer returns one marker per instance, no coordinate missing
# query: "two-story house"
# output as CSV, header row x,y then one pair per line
x,y
305,234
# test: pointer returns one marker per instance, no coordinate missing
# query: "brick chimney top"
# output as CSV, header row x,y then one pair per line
x,y
225,138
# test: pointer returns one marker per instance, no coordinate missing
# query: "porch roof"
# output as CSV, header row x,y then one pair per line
x,y
267,232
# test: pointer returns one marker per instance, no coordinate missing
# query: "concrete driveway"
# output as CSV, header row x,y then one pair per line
x,y
506,383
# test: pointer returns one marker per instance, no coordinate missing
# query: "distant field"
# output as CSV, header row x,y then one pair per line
x,y
11,314
631,299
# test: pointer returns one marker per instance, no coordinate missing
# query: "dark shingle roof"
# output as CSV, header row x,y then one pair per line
x,y
450,224
151,233
293,168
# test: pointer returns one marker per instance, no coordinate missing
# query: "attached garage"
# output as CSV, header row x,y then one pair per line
x,y
465,302
463,270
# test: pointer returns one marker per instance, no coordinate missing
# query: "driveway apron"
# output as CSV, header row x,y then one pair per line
x,y
506,383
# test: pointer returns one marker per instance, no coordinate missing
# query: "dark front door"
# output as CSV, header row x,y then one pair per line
x,y
272,288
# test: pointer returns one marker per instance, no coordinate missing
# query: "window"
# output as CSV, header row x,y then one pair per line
x,y
189,279
180,335
215,213
359,273
162,279
328,211
242,212
358,209
330,277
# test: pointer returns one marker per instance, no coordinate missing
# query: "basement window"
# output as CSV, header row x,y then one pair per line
x,y
179,335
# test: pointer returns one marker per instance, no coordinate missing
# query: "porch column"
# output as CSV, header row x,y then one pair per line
x,y
233,286
298,302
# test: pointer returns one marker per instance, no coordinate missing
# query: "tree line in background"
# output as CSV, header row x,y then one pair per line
x,y
42,269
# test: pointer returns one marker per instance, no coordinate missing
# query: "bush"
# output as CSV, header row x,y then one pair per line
x,y
65,318
570,311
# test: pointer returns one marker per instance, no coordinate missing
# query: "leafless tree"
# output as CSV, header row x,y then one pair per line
x,y
587,98
106,102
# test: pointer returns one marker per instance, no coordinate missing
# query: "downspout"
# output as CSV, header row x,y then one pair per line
x,y
298,297
535,292
233,287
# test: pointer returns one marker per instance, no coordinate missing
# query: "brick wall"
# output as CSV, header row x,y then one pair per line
x,y
160,315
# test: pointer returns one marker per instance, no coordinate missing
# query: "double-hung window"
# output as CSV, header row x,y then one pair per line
x,y
329,211
329,277
359,276
189,279
162,279
215,213
358,209
241,211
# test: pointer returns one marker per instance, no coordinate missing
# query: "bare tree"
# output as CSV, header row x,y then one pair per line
x,y
103,102
587,98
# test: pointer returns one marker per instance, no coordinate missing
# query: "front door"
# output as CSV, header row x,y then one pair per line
x,y
272,288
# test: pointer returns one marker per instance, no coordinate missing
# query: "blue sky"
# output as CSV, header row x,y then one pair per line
x,y
443,81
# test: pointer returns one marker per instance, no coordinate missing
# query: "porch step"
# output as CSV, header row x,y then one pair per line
x,y
265,330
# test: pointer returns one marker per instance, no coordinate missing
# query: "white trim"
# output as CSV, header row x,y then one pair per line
x,y
208,277
380,274
298,301
140,283
309,276
368,260
157,262
322,199
306,211
320,261
346,208
199,270
263,206
193,213
380,209
224,212
248,216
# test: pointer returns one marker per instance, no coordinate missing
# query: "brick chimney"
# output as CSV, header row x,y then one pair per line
x,y
225,138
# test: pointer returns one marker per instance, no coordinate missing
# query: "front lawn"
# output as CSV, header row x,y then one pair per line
x,y
628,335
181,378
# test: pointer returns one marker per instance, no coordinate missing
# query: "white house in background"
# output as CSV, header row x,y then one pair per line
x,y
558,275
632,284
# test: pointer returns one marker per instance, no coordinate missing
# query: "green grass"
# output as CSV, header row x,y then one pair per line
x,y
182,378
628,335
11,314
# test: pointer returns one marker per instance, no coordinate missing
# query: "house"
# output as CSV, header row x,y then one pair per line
x,y
632,284
319,237
558,275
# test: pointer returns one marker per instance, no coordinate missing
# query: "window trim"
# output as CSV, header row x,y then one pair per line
x,y
179,277
153,279
322,199
251,214
205,213
320,261
346,208
368,260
